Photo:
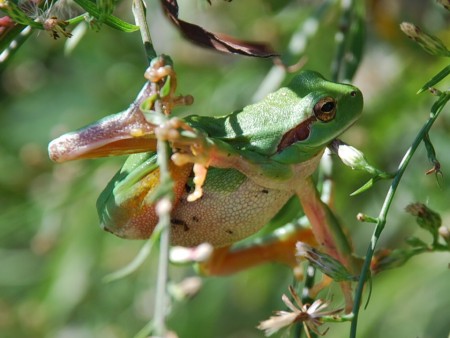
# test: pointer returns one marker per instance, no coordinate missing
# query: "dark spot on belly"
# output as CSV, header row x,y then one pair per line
x,y
195,219
180,222
265,191
228,231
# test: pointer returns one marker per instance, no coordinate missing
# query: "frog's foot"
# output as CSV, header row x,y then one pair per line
x,y
163,76
190,146
158,70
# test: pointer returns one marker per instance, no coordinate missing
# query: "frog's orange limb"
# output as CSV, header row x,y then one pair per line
x,y
226,261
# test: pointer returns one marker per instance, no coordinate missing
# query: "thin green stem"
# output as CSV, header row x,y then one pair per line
x,y
341,39
435,111
164,205
163,209
139,13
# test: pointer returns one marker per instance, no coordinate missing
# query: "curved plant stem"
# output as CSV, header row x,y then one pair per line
x,y
164,205
381,220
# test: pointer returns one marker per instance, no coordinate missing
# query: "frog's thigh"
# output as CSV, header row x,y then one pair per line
x,y
226,217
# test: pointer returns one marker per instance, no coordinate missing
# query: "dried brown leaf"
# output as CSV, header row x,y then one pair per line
x,y
217,41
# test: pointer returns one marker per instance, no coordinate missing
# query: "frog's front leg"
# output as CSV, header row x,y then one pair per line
x,y
127,132
196,147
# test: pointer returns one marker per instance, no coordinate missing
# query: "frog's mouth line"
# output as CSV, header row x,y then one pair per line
x,y
298,133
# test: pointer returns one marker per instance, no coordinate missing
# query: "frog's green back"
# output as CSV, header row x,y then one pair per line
x,y
260,127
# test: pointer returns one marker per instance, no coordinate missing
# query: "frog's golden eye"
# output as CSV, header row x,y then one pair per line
x,y
325,109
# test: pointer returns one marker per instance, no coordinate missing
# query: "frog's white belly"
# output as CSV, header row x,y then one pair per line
x,y
226,217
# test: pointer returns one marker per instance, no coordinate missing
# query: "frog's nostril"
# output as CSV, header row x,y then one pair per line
x,y
353,93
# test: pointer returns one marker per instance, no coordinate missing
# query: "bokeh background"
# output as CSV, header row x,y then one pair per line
x,y
53,255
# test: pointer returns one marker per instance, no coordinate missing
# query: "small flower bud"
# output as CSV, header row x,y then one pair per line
x,y
429,43
163,206
182,255
389,259
352,157
186,289
325,263
366,218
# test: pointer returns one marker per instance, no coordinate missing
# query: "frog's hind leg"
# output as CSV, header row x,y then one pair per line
x,y
278,247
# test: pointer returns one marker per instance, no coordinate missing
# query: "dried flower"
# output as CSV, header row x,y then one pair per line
x,y
426,218
309,315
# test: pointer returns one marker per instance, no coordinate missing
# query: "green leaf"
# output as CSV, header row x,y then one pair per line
x,y
138,260
440,103
416,242
19,34
109,20
365,187
436,79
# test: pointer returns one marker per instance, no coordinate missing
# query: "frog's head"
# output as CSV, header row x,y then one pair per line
x,y
327,109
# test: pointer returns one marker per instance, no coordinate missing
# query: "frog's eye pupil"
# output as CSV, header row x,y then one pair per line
x,y
328,107
325,109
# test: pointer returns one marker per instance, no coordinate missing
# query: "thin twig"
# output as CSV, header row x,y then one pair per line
x,y
163,206
139,13
163,209
341,39
306,297
381,221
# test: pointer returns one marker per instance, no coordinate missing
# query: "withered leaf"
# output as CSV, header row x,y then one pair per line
x,y
217,41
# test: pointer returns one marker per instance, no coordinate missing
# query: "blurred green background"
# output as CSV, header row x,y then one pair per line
x,y
53,255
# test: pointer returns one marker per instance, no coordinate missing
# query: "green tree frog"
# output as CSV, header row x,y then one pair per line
x,y
245,167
